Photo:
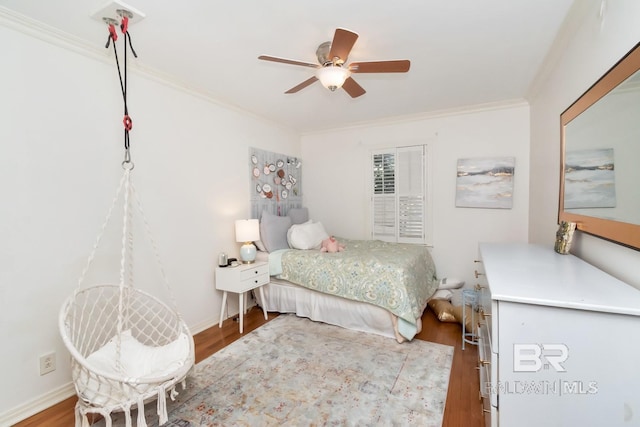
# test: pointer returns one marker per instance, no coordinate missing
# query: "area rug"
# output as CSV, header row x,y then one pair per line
x,y
292,371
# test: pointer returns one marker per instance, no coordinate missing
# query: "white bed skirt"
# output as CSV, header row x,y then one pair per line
x,y
285,297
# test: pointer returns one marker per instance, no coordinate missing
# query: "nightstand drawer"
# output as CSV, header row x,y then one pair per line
x,y
251,273
253,282
242,278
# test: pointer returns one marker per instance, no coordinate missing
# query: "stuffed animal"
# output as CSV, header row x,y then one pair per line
x,y
331,245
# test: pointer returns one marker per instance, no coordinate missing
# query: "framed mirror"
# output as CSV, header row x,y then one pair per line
x,y
600,157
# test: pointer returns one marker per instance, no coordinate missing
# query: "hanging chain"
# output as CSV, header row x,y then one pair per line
x,y
126,121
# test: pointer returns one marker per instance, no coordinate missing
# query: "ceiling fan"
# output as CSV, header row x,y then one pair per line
x,y
332,70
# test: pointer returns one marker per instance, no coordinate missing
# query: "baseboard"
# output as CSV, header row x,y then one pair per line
x,y
205,324
210,322
36,405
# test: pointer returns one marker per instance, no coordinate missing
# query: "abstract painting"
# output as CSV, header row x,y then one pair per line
x,y
589,179
485,183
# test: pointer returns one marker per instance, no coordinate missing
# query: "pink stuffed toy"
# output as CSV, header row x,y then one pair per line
x,y
331,245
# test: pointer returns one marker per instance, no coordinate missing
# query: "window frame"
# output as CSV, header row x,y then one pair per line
x,y
426,193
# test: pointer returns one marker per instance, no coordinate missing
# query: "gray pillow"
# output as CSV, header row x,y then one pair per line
x,y
273,231
298,215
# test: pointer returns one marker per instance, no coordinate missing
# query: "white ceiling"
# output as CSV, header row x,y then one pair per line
x,y
462,52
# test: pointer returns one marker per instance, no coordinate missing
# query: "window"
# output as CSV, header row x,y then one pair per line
x,y
399,198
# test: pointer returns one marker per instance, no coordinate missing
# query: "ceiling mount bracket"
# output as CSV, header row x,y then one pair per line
x,y
113,11
109,21
124,13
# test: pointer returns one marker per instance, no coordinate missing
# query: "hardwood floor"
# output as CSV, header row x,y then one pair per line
x,y
462,408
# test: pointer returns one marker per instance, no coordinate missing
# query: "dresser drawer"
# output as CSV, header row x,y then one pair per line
x,y
487,366
485,313
487,308
486,410
484,360
487,346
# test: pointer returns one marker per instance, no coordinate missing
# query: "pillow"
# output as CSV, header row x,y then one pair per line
x,y
260,245
450,283
442,294
139,360
306,236
298,215
443,310
273,231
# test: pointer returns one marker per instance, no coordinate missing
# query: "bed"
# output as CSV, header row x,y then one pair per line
x,y
372,286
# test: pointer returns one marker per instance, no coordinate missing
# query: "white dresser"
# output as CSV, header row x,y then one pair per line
x,y
559,340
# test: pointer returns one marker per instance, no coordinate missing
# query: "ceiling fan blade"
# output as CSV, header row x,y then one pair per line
x,y
399,66
287,61
343,41
353,88
302,85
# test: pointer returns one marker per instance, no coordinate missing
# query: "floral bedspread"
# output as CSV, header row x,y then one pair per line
x,y
395,276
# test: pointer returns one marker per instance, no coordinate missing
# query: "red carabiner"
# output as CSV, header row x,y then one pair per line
x,y
125,24
113,33
128,123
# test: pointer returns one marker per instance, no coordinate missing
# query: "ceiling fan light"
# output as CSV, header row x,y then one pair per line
x,y
332,77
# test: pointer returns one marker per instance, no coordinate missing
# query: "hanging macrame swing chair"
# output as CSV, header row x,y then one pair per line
x,y
127,346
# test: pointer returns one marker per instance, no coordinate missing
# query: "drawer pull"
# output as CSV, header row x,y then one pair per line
x,y
477,260
485,362
479,287
477,274
486,411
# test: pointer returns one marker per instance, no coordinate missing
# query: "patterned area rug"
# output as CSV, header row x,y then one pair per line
x,y
292,371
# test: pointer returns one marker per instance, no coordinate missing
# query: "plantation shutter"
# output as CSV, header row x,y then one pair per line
x,y
399,195
411,194
384,198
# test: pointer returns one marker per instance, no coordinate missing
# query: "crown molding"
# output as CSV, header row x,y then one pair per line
x,y
51,35
428,115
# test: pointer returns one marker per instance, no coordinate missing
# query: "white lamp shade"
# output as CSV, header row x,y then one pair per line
x,y
332,77
247,230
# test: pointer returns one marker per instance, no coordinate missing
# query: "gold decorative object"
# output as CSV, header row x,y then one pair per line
x,y
564,236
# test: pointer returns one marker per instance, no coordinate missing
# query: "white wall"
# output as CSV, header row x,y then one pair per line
x,y
336,174
61,147
592,47
61,144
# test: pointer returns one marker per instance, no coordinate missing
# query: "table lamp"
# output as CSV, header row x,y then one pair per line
x,y
247,231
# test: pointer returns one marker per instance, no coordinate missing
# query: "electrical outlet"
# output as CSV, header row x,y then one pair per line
x,y
47,363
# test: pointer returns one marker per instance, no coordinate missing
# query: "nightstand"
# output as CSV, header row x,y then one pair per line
x,y
241,279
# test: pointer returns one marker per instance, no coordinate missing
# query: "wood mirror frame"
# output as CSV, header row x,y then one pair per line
x,y
619,231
